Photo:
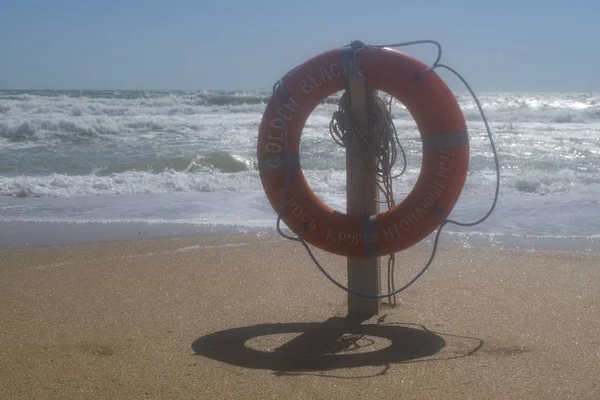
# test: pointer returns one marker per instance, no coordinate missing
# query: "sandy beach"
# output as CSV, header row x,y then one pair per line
x,y
151,153
246,316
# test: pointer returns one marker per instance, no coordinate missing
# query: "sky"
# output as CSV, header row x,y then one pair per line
x,y
527,45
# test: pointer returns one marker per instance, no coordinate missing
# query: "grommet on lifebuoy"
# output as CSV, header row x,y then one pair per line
x,y
443,171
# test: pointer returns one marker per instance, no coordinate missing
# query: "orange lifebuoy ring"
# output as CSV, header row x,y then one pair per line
x,y
445,154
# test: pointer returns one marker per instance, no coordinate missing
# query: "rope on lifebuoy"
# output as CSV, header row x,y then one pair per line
x,y
384,147
378,138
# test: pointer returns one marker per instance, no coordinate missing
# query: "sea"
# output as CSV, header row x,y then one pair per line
x,y
189,157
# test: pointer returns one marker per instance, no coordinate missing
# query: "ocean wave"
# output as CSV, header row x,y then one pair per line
x,y
129,182
36,129
217,161
210,173
508,107
226,172
114,133
58,127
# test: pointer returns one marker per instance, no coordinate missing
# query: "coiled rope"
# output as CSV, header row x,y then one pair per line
x,y
379,139
382,145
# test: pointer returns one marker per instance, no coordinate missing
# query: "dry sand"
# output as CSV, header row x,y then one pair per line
x,y
232,317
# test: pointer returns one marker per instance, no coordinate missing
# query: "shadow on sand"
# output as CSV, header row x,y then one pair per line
x,y
323,346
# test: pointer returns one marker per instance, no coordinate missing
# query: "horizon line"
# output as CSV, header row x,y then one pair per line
x,y
269,92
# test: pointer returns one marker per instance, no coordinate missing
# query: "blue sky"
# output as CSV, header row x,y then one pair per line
x,y
248,44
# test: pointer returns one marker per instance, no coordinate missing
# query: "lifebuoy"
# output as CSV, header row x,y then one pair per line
x,y
443,171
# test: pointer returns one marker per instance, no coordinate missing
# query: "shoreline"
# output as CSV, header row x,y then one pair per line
x,y
17,235
33,234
